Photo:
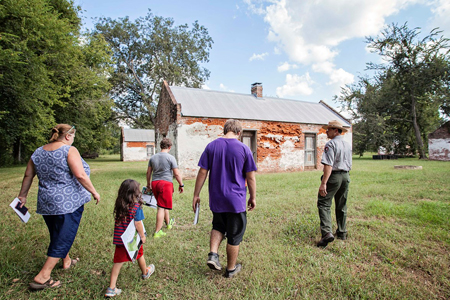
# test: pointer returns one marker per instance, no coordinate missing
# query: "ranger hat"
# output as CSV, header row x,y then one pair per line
x,y
335,124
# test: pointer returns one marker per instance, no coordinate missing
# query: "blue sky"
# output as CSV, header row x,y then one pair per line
x,y
298,49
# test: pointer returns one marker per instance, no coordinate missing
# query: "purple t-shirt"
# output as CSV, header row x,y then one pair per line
x,y
228,161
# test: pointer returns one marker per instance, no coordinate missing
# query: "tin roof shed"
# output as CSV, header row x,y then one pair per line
x,y
138,135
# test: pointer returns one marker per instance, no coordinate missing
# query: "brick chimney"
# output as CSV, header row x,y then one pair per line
x,y
257,89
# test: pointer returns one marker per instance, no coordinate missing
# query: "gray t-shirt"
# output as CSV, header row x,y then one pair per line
x,y
162,165
338,154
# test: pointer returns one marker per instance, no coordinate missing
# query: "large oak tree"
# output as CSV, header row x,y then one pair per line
x,y
146,52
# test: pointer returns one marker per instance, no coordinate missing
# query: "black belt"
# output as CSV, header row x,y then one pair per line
x,y
339,172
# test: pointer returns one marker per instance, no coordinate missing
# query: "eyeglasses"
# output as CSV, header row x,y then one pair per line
x,y
71,134
68,132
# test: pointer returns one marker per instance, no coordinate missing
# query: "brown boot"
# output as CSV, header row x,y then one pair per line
x,y
327,238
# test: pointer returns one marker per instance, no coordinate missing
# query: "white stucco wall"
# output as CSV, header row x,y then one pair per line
x,y
439,149
134,153
192,140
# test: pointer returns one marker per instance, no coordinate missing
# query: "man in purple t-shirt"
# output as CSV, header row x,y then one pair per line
x,y
230,164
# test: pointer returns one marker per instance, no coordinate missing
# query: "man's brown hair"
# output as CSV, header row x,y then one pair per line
x,y
233,126
165,143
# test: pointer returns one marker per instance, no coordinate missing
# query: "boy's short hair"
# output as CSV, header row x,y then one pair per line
x,y
165,143
233,126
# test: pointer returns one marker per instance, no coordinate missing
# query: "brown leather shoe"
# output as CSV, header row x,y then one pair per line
x,y
327,238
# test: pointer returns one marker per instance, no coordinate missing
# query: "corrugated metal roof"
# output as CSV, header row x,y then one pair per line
x,y
138,135
215,104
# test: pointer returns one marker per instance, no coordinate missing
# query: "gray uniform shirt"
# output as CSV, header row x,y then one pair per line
x,y
162,164
338,154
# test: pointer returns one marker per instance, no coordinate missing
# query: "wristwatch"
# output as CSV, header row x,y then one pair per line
x,y
182,185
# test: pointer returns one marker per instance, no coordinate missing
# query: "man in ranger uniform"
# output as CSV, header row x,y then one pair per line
x,y
337,161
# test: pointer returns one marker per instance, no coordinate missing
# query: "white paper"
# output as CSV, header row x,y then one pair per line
x,y
23,217
131,240
197,210
148,198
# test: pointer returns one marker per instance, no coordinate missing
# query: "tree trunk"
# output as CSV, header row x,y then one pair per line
x,y
17,155
417,129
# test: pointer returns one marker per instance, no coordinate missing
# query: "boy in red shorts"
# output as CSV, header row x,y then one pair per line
x,y
162,167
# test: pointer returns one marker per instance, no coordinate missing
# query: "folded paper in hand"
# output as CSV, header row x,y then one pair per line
x,y
22,212
197,211
148,197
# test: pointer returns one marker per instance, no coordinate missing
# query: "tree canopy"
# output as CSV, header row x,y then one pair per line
x,y
406,97
49,73
146,52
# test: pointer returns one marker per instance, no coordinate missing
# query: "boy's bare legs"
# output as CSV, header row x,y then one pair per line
x,y
232,254
215,240
166,216
232,251
160,214
115,274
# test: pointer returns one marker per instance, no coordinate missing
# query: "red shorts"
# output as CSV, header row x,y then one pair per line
x,y
163,191
121,254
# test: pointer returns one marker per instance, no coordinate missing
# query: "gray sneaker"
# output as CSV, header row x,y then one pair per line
x,y
213,261
237,269
112,292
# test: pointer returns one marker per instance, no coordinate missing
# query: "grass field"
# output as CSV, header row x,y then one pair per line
x,y
398,246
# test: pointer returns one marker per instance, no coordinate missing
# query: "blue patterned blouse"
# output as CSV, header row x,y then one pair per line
x,y
59,190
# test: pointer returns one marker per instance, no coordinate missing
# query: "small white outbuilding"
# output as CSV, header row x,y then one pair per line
x,y
439,143
137,144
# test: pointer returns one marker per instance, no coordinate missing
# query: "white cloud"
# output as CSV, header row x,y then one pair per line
x,y
254,8
441,11
286,67
296,85
261,56
225,88
338,77
205,87
309,31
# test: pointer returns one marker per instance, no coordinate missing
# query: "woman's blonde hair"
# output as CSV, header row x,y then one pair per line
x,y
60,130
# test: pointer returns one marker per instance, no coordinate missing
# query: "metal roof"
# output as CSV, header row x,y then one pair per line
x,y
138,135
215,104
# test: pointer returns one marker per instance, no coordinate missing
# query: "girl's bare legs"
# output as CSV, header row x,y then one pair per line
x,y
115,274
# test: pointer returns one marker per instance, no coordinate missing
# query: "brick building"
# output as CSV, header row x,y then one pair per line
x,y
439,143
137,144
284,135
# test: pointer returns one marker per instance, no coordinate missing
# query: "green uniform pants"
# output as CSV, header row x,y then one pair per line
x,y
337,187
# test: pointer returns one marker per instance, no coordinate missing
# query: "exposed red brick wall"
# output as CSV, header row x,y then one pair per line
x,y
136,144
271,136
167,112
442,132
269,129
207,121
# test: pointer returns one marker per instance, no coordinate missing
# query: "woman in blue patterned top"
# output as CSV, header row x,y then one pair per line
x,y
64,188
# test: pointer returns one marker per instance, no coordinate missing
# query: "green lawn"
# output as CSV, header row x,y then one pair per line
x,y
398,246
